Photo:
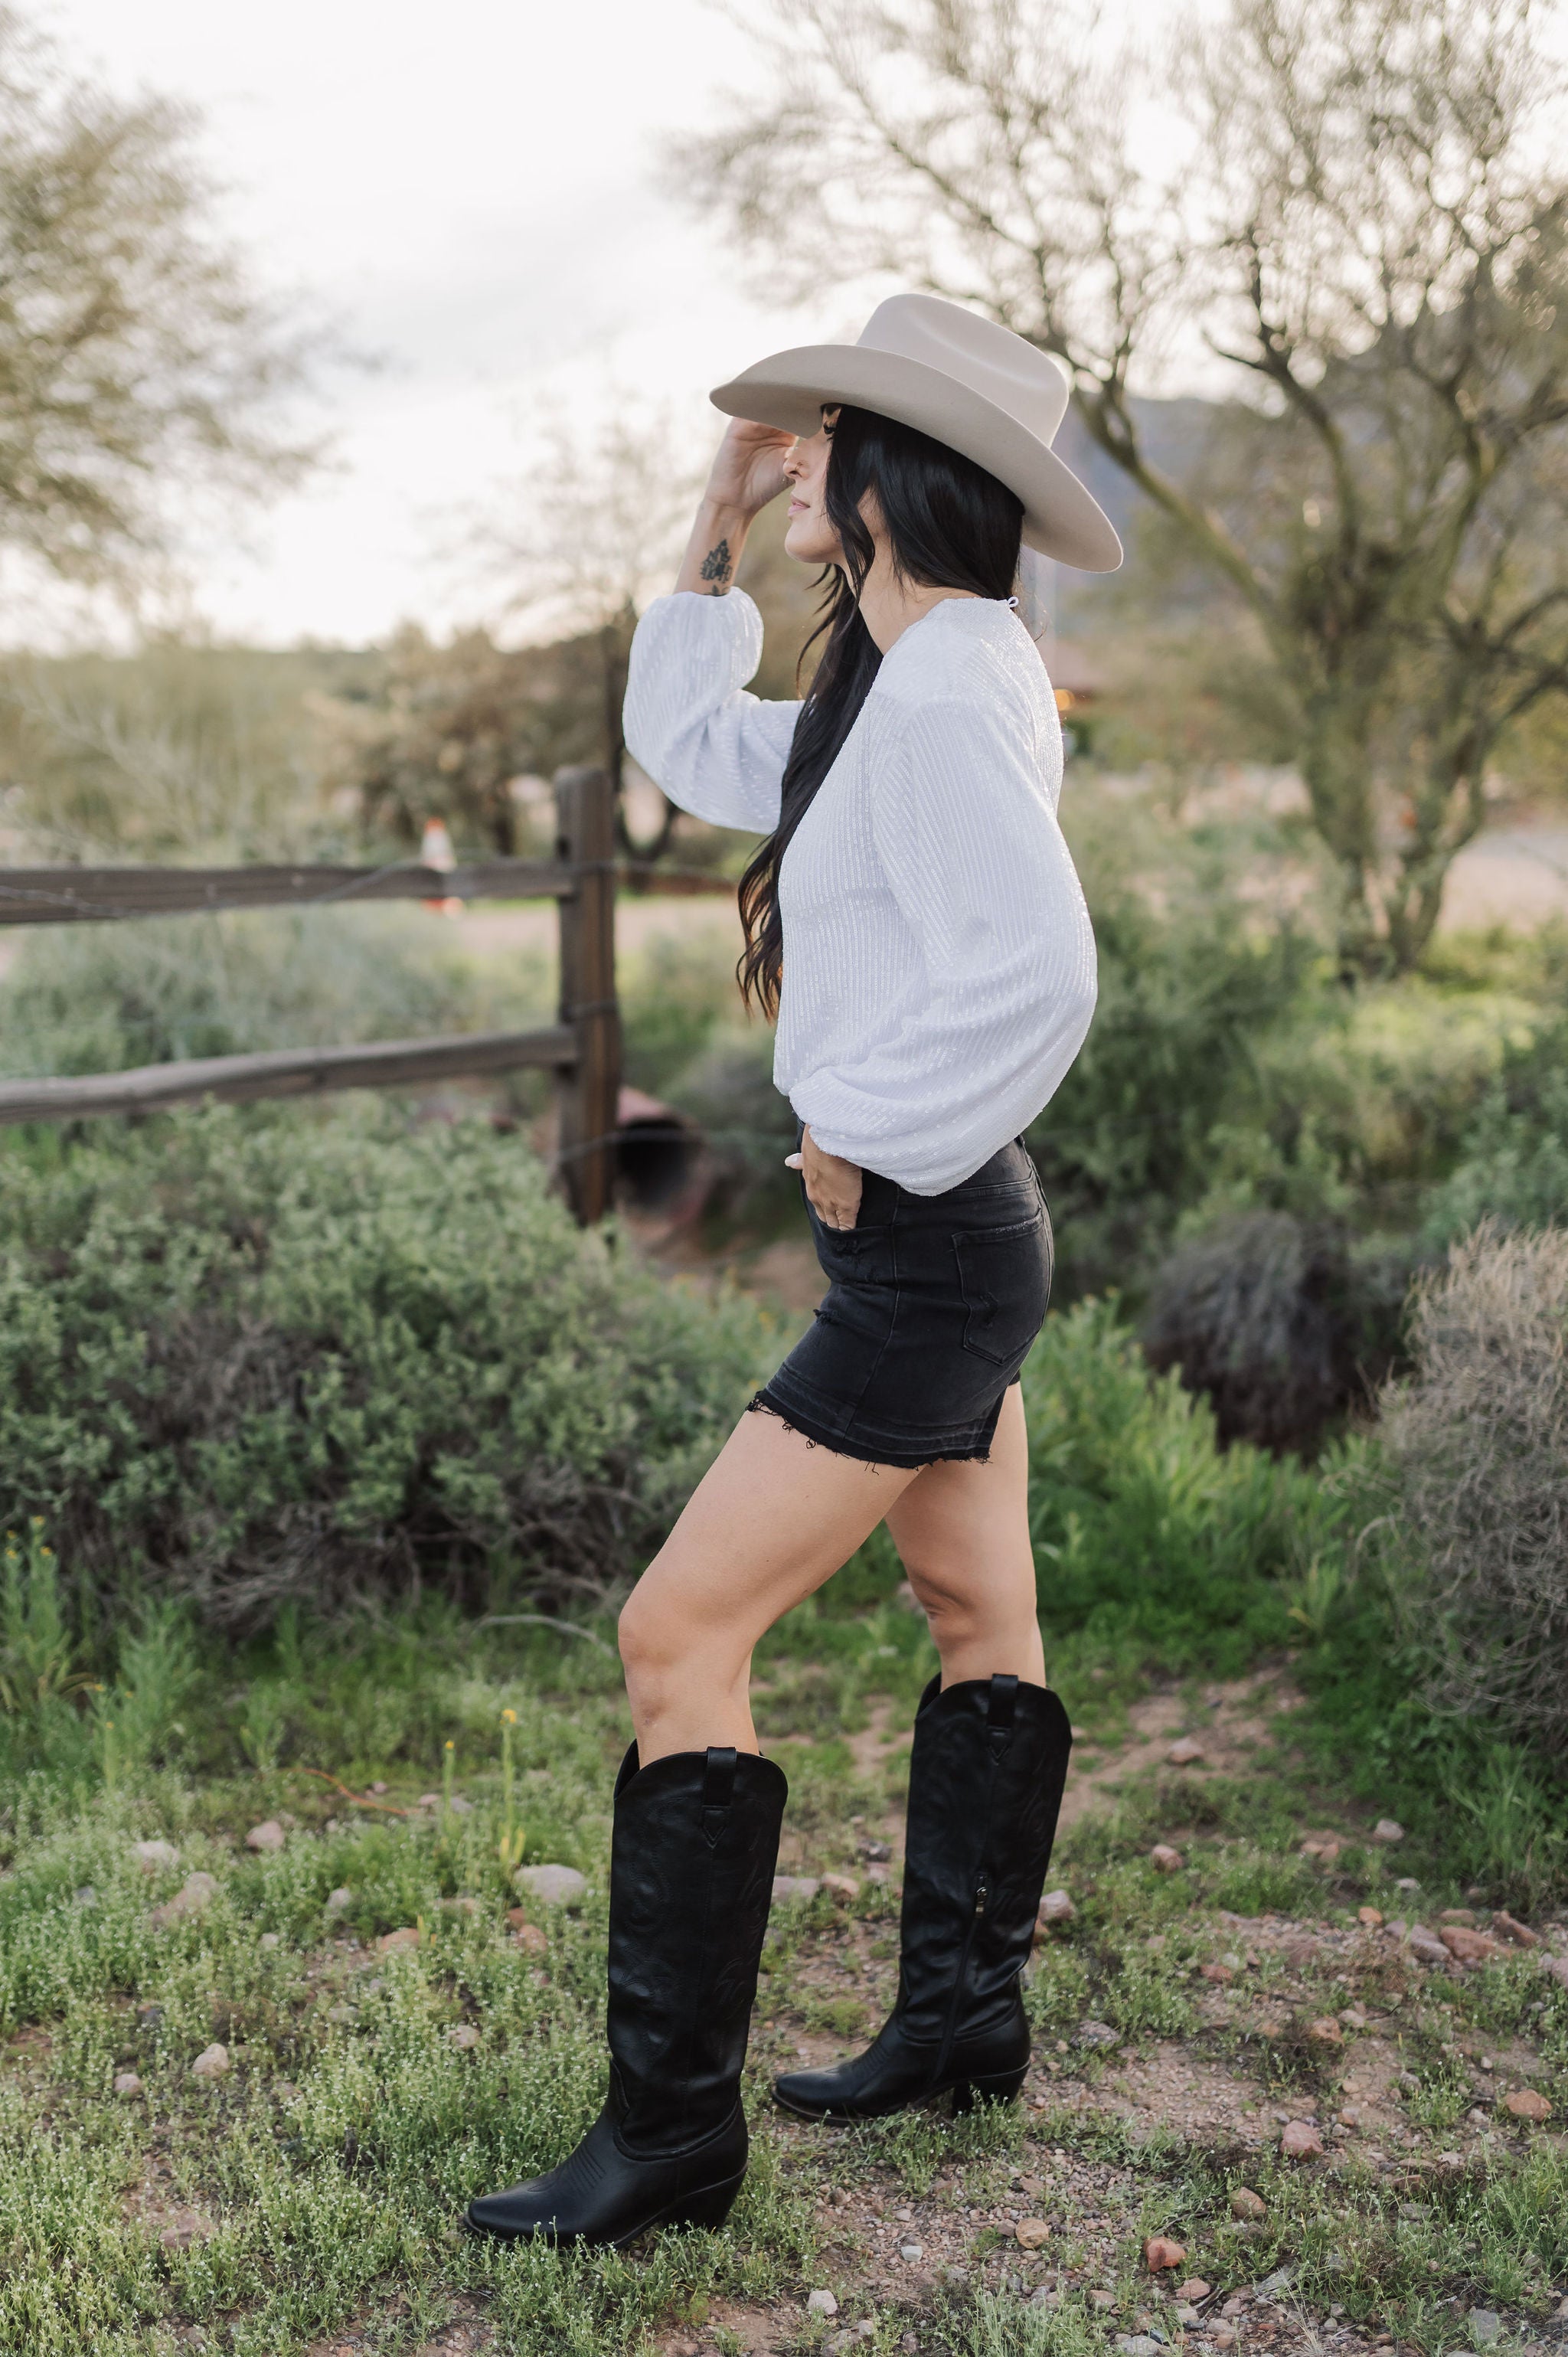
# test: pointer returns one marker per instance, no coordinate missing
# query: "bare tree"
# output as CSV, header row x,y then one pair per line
x,y
1353,208
592,530
136,361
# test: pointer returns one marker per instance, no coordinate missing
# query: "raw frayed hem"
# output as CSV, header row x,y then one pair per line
x,y
759,1405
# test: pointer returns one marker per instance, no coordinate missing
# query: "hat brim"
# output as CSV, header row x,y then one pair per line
x,y
788,390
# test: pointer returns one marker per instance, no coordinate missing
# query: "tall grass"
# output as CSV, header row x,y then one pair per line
x,y
1147,1533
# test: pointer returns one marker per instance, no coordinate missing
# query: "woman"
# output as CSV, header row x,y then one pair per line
x,y
914,920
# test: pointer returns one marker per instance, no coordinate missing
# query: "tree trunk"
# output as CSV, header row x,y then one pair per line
x,y
1337,769
1444,809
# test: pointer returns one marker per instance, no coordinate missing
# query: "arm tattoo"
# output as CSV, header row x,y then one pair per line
x,y
716,567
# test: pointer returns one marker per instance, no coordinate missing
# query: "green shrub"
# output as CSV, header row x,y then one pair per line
x,y
675,993
1146,1530
1126,1144
1358,1102
1513,1163
275,1356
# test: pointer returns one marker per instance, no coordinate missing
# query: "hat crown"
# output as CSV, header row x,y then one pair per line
x,y
990,360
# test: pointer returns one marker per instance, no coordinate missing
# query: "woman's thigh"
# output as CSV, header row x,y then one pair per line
x,y
962,1528
772,1519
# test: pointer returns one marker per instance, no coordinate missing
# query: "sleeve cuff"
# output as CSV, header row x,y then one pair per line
x,y
724,631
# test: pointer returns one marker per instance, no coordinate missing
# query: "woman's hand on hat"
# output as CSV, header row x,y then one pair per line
x,y
832,1185
747,472
748,465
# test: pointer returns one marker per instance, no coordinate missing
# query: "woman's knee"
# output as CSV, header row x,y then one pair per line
x,y
959,1610
643,1634
660,1640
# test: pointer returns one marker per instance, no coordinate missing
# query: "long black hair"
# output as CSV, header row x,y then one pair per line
x,y
950,526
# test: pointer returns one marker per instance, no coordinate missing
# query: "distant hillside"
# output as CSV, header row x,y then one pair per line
x,y
1174,434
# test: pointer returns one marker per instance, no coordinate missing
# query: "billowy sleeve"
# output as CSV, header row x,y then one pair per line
x,y
967,832
716,750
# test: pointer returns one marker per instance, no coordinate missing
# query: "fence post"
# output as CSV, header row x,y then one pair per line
x,y
588,1094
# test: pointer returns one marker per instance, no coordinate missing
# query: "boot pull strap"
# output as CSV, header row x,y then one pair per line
x,y
718,1789
1000,1710
1004,1702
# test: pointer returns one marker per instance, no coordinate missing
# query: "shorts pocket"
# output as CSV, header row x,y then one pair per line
x,y
1004,1277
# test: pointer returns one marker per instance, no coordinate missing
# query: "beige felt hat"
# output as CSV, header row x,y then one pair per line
x,y
961,379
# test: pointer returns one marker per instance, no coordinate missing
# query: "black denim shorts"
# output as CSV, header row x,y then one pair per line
x,y
932,1304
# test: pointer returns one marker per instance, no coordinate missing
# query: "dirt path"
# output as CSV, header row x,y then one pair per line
x,y
1222,1734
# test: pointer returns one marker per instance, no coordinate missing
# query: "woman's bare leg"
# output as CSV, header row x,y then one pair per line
x,y
963,1532
771,1519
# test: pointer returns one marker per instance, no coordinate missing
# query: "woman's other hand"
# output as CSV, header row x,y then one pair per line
x,y
833,1186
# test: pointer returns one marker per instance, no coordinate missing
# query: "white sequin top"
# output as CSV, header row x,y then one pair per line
x,y
939,962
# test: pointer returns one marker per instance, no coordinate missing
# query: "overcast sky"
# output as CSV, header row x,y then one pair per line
x,y
468,189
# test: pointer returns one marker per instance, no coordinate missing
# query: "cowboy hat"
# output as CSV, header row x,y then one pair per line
x,y
961,379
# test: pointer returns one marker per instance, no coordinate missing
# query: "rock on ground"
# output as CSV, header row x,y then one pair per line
x,y
197,1891
553,1885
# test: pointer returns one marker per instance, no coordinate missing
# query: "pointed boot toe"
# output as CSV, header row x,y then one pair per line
x,y
607,2196
511,2217
810,2094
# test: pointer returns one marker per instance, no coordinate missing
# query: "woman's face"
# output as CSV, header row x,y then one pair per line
x,y
810,538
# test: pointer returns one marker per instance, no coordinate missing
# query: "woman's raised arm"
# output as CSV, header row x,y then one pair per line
x,y
714,748
748,473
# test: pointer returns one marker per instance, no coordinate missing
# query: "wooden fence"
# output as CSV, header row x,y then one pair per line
x,y
583,1047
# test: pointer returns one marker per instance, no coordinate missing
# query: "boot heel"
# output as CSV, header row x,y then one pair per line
x,y
711,2209
998,2089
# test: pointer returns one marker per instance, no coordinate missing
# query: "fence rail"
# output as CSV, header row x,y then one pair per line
x,y
286,1072
583,1047
66,896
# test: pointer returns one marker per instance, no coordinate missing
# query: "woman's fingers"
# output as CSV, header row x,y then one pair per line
x,y
833,1186
749,466
835,1210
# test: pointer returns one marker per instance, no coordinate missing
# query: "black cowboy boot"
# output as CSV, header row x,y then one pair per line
x,y
692,1861
985,1784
